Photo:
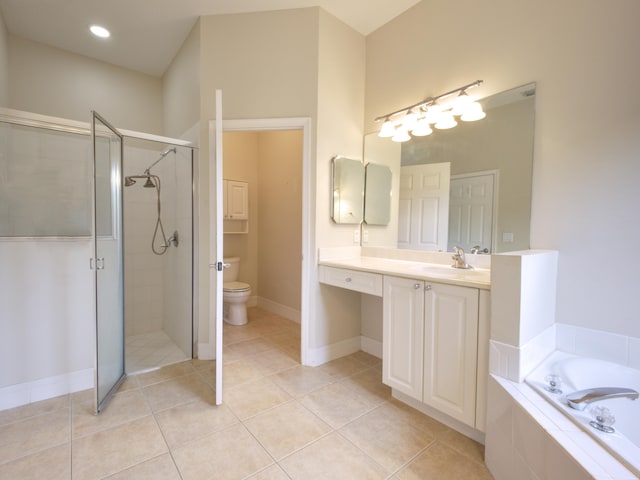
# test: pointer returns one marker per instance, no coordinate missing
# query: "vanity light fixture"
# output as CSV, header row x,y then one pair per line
x,y
417,118
99,31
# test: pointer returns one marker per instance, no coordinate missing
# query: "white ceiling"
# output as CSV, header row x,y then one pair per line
x,y
146,34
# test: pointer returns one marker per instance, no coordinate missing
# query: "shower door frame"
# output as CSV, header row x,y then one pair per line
x,y
29,119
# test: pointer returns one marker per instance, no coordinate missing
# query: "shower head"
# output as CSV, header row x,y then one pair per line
x,y
128,181
149,183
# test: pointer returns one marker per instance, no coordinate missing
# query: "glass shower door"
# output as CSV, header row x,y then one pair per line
x,y
108,260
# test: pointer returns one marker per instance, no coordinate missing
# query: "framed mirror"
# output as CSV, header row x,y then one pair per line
x,y
377,194
347,190
497,151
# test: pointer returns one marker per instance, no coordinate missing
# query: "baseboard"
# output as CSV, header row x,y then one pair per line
x,y
44,388
279,309
321,355
206,351
371,346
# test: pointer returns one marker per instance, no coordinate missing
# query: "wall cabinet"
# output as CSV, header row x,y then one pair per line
x,y
430,344
236,206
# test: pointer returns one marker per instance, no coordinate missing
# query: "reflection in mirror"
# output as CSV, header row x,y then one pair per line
x,y
377,194
493,156
347,202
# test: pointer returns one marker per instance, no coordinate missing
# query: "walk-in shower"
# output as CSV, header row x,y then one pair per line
x,y
153,181
158,280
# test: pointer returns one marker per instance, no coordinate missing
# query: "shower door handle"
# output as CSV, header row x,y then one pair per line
x,y
100,263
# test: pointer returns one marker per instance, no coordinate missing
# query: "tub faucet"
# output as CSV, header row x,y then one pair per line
x,y
459,260
580,399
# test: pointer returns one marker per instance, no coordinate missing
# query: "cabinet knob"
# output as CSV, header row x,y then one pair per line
x,y
428,287
348,279
417,286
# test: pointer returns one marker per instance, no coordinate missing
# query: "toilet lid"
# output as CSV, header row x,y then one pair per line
x,y
236,287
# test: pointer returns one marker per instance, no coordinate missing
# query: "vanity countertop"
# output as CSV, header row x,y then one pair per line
x,y
476,277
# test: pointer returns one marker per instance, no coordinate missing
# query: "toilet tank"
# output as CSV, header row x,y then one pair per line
x,y
231,274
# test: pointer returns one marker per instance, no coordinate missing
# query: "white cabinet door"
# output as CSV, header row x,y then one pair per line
x,y
237,194
402,335
450,359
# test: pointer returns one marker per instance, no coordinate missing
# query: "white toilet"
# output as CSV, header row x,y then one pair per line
x,y
235,294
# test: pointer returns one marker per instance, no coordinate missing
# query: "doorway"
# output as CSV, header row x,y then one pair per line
x,y
261,125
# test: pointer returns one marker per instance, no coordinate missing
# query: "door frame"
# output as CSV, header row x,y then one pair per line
x,y
275,124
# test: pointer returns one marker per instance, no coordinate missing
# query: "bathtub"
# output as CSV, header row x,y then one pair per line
x,y
579,373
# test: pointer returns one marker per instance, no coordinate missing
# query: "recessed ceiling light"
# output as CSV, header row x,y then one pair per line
x,y
99,31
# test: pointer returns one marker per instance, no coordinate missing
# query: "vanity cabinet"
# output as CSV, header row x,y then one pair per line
x,y
236,206
430,344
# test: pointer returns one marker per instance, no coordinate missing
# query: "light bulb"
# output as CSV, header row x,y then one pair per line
x,y
388,129
410,120
446,121
422,128
473,112
99,31
401,136
460,103
433,113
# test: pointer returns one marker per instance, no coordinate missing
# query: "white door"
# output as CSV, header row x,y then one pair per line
x,y
423,219
471,211
216,200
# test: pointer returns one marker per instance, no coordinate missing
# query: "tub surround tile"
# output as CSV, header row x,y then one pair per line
x,y
602,345
634,353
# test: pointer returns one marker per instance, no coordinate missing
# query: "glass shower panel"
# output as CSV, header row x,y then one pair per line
x,y
108,261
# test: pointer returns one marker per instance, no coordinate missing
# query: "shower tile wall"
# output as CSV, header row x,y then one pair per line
x,y
144,283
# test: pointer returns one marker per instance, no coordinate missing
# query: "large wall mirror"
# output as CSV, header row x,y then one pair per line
x,y
483,167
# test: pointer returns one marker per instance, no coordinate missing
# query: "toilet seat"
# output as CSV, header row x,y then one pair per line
x,y
236,287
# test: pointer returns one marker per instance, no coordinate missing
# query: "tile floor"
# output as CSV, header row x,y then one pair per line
x,y
279,420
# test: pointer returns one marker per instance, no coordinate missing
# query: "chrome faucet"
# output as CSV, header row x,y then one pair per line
x,y
580,399
459,260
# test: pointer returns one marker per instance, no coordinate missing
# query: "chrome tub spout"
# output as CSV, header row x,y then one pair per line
x,y
580,399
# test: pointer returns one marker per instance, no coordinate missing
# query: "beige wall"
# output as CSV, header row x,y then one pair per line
x,y
181,87
50,81
280,217
4,64
339,129
581,54
291,63
241,157
271,162
266,65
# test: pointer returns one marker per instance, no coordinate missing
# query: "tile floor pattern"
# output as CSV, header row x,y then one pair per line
x,y
279,420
